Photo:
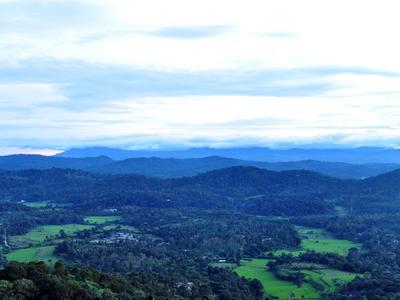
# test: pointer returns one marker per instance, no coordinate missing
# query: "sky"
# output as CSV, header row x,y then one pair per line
x,y
183,73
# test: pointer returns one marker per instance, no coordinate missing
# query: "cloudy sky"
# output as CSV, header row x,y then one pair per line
x,y
184,73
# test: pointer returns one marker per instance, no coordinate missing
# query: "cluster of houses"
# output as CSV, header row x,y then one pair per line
x,y
115,238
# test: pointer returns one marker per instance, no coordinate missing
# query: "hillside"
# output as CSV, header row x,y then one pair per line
x,y
37,280
239,188
172,167
235,188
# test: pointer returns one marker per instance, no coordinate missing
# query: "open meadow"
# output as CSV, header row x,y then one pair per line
x,y
256,269
44,253
318,240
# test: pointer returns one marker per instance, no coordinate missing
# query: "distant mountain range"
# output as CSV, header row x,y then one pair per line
x,y
173,167
354,155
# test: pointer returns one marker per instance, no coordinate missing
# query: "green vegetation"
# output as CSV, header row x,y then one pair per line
x,y
42,233
37,280
37,204
256,269
121,227
44,253
172,233
329,278
340,210
230,266
319,240
102,219
316,279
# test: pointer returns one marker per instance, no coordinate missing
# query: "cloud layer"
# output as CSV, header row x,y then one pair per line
x,y
189,73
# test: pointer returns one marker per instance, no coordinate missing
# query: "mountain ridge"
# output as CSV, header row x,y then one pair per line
x,y
174,167
347,155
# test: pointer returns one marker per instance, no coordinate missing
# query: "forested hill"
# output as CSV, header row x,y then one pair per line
x,y
172,167
37,280
245,189
238,188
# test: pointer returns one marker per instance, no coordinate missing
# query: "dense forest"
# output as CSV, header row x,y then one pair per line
x,y
169,237
245,189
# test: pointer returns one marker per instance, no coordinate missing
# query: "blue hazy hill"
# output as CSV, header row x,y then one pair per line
x,y
350,155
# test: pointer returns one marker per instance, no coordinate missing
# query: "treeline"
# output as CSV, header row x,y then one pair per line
x,y
36,280
238,189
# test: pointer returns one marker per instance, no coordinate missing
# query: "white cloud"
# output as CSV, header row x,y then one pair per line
x,y
214,119
340,33
16,150
27,94
153,35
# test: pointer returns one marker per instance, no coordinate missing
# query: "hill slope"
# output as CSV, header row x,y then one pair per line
x,y
171,167
235,188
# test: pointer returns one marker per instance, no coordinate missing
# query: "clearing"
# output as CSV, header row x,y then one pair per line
x,y
102,219
321,241
34,253
256,269
45,232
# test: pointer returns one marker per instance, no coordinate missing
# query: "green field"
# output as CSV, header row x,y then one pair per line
x,y
41,233
329,278
34,253
319,240
102,219
256,269
37,204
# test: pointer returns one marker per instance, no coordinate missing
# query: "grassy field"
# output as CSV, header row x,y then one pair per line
x,y
312,239
37,204
102,219
34,253
41,233
321,241
329,278
273,286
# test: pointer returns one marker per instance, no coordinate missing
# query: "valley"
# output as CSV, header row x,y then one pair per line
x,y
239,233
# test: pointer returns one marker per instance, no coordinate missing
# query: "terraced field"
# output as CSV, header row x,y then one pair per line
x,y
329,278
